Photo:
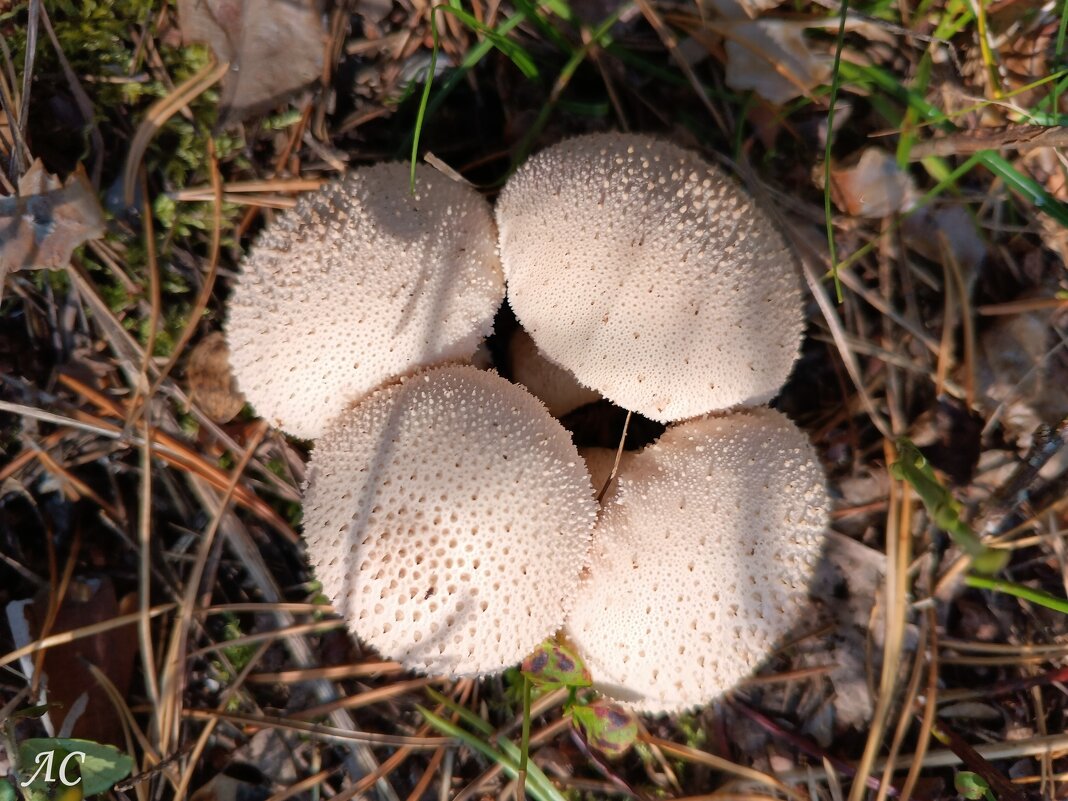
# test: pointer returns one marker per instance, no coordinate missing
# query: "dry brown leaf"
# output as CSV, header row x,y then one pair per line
x,y
743,9
875,187
947,231
771,57
42,225
1022,371
211,384
274,47
46,220
88,601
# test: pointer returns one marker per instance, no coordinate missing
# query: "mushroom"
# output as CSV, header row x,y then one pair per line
x,y
360,283
546,380
650,275
449,518
700,565
599,462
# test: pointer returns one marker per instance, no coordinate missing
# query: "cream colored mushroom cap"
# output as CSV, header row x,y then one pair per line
x,y
449,518
599,462
360,283
554,386
700,566
650,275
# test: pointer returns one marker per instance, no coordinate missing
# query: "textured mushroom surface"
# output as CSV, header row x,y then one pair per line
x,y
599,463
360,283
701,563
449,519
557,388
650,275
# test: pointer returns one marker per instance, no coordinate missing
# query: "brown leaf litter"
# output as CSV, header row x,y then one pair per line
x,y
274,47
211,384
42,225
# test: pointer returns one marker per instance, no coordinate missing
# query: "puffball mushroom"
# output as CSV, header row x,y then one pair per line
x,y
449,518
600,461
547,381
360,283
700,565
650,275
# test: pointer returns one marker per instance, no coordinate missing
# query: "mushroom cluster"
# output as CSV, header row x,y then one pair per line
x,y
448,513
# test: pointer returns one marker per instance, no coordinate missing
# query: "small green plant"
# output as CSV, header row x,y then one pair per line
x,y
973,786
59,768
606,726
74,769
912,466
239,655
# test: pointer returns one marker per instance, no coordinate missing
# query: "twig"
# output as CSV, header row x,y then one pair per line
x,y
157,116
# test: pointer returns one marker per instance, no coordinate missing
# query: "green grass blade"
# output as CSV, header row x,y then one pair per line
x,y
516,54
1040,597
1026,187
598,36
836,78
524,746
544,26
538,783
944,509
473,57
471,60
472,720
1030,189
450,729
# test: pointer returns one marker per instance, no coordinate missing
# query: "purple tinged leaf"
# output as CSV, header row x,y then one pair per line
x,y
607,726
553,665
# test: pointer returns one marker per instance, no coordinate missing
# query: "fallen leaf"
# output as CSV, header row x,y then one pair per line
x,y
87,601
42,225
938,233
875,187
275,47
771,57
742,9
1021,372
211,383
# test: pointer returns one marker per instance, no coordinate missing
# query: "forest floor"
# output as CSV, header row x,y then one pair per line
x,y
150,558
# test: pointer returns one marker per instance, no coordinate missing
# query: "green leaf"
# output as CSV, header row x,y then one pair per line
x,y
7,792
972,786
100,767
33,711
553,665
608,727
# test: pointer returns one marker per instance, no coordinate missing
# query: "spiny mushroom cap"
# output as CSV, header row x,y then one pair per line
x,y
700,566
361,283
599,463
449,518
650,275
554,386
